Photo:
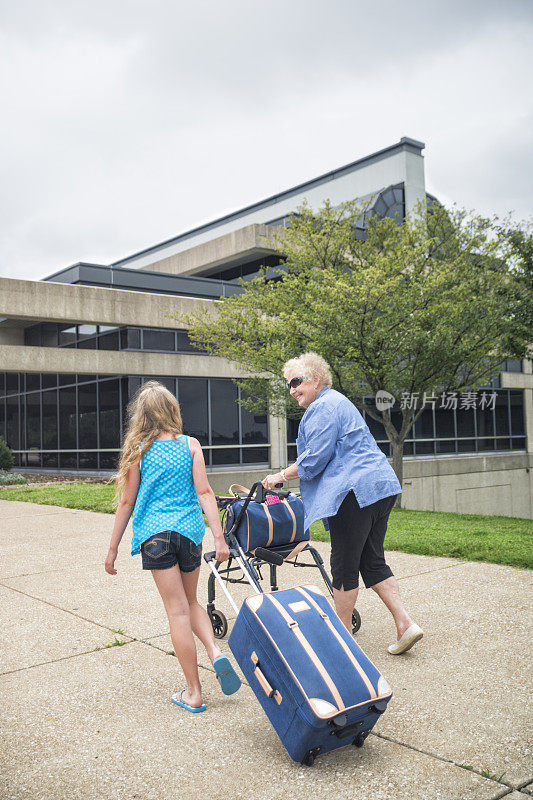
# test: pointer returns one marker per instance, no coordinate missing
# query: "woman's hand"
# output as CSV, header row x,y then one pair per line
x,y
221,549
110,562
271,481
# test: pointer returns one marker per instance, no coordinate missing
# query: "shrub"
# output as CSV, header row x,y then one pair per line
x,y
6,456
10,478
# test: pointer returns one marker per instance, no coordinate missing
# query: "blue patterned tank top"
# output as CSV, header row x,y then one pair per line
x,y
166,500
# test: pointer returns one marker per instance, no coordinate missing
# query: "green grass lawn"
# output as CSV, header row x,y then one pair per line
x,y
500,540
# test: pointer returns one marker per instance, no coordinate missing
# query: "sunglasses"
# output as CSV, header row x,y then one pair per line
x,y
294,382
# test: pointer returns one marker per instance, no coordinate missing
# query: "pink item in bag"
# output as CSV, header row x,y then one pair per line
x,y
271,499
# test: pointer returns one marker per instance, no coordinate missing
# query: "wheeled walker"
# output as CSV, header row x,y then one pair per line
x,y
245,567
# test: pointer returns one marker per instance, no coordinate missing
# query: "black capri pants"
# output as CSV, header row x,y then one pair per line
x,y
357,536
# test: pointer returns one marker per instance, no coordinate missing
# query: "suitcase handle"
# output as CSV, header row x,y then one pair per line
x,y
263,683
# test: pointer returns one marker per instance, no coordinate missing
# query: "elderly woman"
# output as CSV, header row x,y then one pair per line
x,y
346,478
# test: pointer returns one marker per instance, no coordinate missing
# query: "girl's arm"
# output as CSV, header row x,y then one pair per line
x,y
206,498
122,516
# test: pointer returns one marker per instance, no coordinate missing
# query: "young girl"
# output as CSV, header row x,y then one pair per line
x,y
162,479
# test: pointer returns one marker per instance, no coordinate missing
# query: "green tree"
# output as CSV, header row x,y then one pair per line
x,y
414,308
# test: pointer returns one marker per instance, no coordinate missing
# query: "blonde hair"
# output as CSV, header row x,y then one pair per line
x,y
153,411
308,365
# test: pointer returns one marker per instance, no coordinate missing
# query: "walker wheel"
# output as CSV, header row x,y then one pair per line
x,y
356,621
309,759
219,623
360,738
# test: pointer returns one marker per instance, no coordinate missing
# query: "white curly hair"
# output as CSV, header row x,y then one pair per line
x,y
308,365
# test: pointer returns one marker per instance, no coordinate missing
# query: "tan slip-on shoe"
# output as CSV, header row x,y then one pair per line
x,y
412,635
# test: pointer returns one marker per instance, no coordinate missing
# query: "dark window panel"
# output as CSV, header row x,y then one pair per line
x,y
424,448
49,334
133,385
444,424
516,398
193,405
2,418
503,444
32,336
485,422
33,421
224,412
87,417
86,378
466,422
109,421
67,419
13,422
466,445
50,437
109,339
408,448
50,460
385,448
12,383
424,425
130,339
230,456
33,382
254,427
512,365
255,455
88,460
485,444
502,413
68,461
292,429
445,447
184,344
65,380
518,444
291,453
109,460
88,343
33,459
161,340
49,380
2,382
67,335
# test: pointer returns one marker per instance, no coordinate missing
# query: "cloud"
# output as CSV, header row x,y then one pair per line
x,y
129,123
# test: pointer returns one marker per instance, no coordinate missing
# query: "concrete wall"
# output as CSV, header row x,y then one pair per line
x,y
63,302
245,244
108,362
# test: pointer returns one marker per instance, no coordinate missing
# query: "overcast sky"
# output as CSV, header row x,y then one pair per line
x,y
124,124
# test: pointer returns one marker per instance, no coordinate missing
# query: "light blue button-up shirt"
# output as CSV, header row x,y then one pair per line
x,y
337,453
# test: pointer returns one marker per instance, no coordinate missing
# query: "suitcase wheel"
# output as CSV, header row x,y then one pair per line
x,y
219,623
356,621
360,738
309,759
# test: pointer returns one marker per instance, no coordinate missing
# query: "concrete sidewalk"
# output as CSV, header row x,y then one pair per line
x,y
85,719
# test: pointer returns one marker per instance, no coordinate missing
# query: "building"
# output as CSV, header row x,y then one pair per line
x,y
75,346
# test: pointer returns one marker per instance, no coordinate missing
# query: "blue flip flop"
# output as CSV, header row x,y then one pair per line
x,y
228,678
177,700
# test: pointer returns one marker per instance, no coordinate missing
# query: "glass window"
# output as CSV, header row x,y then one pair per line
x,y
109,421
12,422
67,335
2,383
49,380
49,334
109,460
224,412
161,340
292,430
516,399
502,413
87,417
12,382
130,339
466,422
168,383
67,419
254,427
33,421
32,336
33,382
50,437
424,425
184,344
87,336
193,405
108,338
255,455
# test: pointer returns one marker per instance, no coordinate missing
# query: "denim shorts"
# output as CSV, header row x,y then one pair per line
x,y
167,548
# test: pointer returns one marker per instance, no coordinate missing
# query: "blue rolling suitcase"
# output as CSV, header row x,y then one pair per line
x,y
315,684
